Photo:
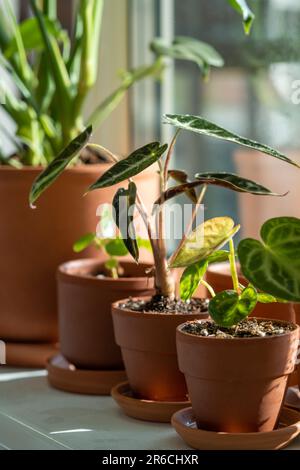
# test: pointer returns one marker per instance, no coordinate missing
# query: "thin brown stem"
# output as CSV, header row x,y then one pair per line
x,y
168,158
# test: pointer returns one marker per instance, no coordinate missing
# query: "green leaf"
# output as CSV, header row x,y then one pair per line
x,y
248,16
236,183
31,35
200,125
111,264
116,247
181,177
84,242
124,204
228,308
134,164
193,275
57,166
144,244
273,264
191,278
185,48
265,298
204,240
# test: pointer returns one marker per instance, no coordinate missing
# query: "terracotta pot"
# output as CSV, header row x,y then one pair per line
x,y
84,306
218,275
297,320
239,384
34,242
148,345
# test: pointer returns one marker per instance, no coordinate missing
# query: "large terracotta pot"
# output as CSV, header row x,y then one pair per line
x,y
297,320
84,307
148,345
218,275
237,385
34,242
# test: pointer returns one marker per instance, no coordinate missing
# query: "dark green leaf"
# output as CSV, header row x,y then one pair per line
x,y
134,164
181,177
273,264
57,166
116,247
200,125
248,16
208,237
124,204
236,183
228,308
84,242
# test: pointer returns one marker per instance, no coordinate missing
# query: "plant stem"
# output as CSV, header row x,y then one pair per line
x,y
168,158
208,287
233,269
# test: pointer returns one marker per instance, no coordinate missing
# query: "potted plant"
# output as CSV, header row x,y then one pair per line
x,y
53,74
240,382
145,328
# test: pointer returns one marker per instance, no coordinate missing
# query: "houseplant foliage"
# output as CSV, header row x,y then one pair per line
x,y
54,73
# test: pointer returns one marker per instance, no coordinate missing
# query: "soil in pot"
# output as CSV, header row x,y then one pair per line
x,y
240,382
85,295
145,329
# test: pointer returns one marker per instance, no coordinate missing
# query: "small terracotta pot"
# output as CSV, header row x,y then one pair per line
x,y
148,345
34,242
218,275
237,385
84,305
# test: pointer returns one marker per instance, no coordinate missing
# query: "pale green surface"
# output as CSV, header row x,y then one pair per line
x,y
35,416
30,411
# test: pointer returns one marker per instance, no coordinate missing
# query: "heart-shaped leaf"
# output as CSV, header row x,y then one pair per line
x,y
248,16
124,204
185,48
236,183
273,264
208,237
228,308
116,247
57,166
203,126
193,275
134,164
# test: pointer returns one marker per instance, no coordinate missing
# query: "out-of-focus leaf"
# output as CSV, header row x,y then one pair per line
x,y
208,237
200,125
57,166
124,204
248,16
228,308
116,247
84,242
273,264
134,164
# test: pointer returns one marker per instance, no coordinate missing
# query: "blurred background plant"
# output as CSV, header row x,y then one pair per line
x,y
53,72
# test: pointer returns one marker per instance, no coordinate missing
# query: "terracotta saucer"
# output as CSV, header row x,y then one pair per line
x,y
147,410
289,428
29,354
292,398
64,376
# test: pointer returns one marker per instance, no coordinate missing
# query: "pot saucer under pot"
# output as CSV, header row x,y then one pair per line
x,y
185,425
146,410
65,376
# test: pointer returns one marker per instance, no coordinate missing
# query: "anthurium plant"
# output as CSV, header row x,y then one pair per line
x,y
199,246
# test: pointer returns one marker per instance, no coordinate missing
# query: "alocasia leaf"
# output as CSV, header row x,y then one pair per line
x,y
248,16
208,237
200,125
134,164
273,264
57,166
181,177
228,308
124,203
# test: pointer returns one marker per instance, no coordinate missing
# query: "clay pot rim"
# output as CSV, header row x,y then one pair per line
x,y
197,338
77,278
82,168
148,315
